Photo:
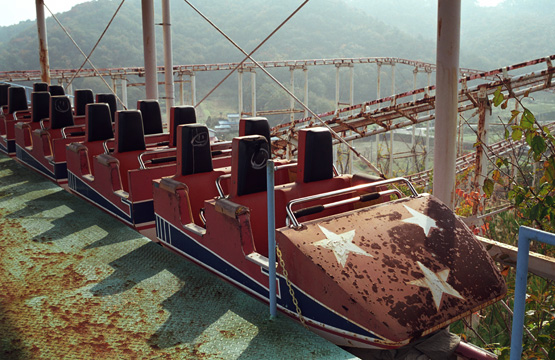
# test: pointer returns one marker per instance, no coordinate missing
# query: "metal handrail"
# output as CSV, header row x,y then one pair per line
x,y
150,152
219,185
293,219
105,145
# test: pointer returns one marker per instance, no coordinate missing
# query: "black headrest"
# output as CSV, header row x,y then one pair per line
x,y
109,99
152,116
81,99
60,112
40,86
4,94
255,126
317,153
98,122
40,105
129,131
181,115
250,154
56,90
17,99
194,142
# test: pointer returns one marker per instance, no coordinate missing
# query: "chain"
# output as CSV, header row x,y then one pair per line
x,y
291,291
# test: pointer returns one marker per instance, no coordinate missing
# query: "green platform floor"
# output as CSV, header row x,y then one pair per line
x,y
77,284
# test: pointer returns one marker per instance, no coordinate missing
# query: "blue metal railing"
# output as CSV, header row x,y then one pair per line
x,y
525,235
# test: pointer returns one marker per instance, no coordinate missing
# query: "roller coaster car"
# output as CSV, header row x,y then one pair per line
x,y
13,101
364,269
41,142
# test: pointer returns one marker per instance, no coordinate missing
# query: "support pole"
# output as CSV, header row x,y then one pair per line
x,y
337,87
43,43
149,48
271,237
181,89
305,70
291,100
253,92
168,58
240,91
447,60
378,94
194,90
124,92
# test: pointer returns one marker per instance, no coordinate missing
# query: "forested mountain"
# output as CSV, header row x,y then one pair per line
x,y
491,37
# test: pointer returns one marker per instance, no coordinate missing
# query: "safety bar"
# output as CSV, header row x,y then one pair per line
x,y
105,145
151,152
78,133
219,185
291,214
362,198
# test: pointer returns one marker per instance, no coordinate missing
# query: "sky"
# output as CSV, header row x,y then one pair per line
x,y
14,11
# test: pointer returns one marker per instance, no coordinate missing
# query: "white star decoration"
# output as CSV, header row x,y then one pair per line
x,y
340,244
437,283
425,222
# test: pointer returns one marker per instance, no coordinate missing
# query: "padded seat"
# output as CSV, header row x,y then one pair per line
x,y
56,90
81,99
152,116
255,126
109,99
40,106
60,112
98,122
4,94
180,115
129,142
195,167
40,86
17,99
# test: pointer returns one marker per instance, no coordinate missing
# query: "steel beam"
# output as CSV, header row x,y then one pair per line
x,y
168,57
447,62
149,48
43,43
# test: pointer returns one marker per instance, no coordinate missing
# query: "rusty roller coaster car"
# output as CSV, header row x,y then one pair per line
x,y
360,263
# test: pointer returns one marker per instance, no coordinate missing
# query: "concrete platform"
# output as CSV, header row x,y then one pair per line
x,y
77,284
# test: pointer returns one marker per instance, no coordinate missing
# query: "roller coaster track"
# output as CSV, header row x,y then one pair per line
x,y
400,110
35,75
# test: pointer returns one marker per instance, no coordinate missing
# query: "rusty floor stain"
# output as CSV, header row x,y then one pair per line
x,y
76,284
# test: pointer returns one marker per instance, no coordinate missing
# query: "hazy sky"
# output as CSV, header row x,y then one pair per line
x,y
14,11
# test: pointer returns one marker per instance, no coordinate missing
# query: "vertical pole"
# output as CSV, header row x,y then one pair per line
x,y
447,74
168,58
484,111
124,91
240,91
521,281
305,70
426,159
291,100
149,48
271,237
253,92
69,90
114,85
181,89
194,90
378,94
392,78
351,103
336,87
43,43
391,132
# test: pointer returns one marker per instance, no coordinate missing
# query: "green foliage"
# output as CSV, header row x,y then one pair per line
x,y
532,195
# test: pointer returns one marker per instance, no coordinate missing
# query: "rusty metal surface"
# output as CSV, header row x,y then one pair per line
x,y
77,284
408,268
